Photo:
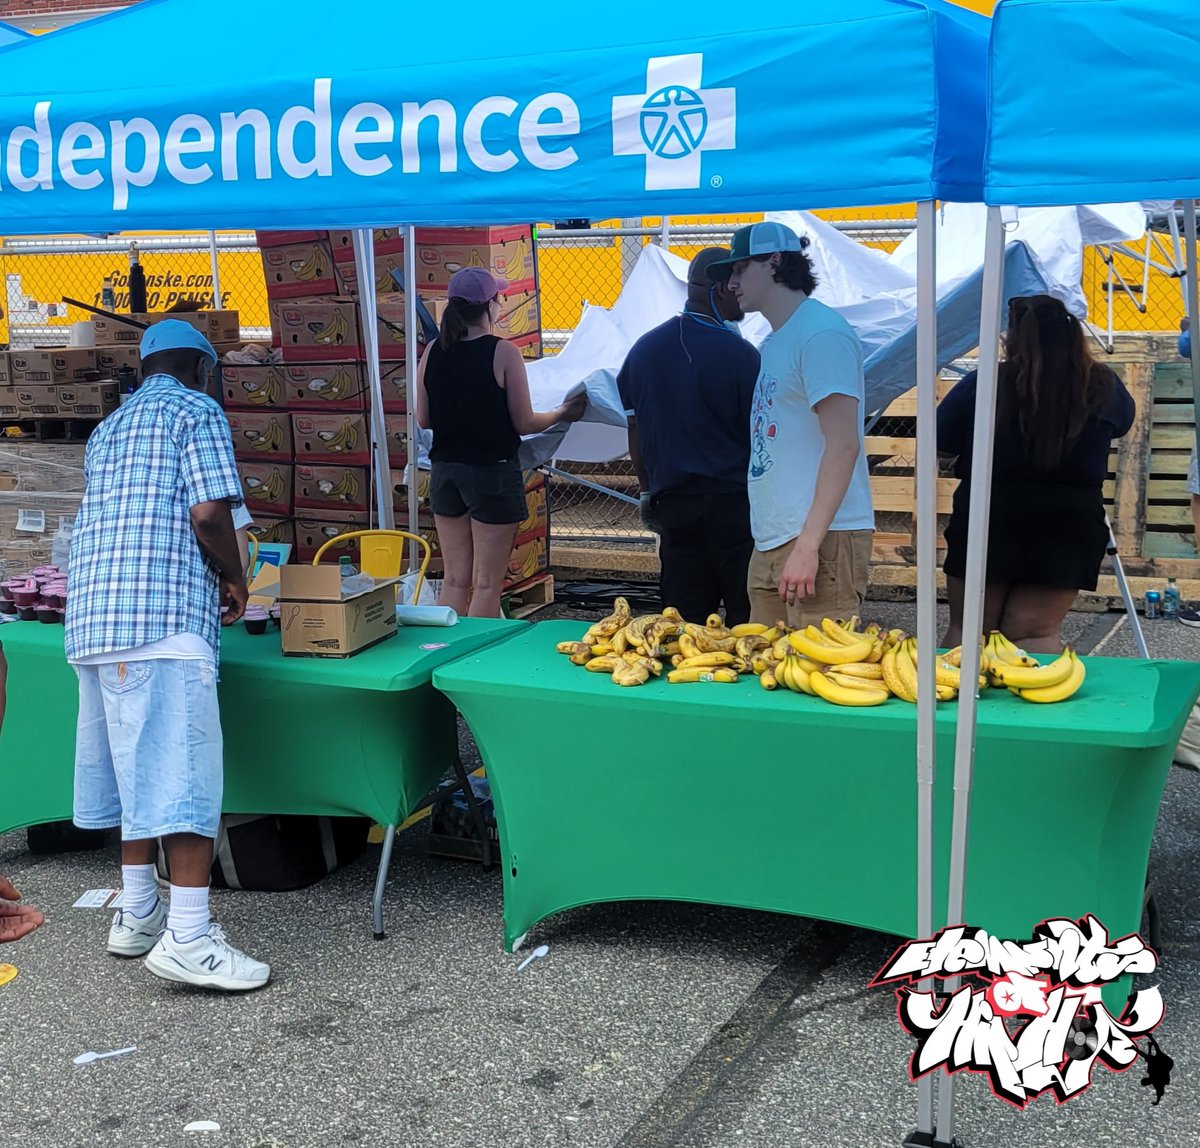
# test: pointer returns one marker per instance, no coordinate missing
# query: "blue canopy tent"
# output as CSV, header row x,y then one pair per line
x,y
793,103
12,35
1088,101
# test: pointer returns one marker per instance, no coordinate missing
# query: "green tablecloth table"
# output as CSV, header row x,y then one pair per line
x,y
730,795
367,735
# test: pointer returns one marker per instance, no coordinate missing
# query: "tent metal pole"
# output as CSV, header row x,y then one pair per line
x,y
364,261
1191,300
927,636
977,535
216,270
412,356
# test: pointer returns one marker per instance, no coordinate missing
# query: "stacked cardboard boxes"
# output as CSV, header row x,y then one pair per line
x,y
40,483
318,478
54,383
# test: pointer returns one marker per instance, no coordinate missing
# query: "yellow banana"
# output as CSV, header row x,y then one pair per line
x,y
630,674
710,661
571,648
852,683
708,640
836,632
840,695
699,674
715,623
767,680
776,632
749,644
794,676
582,657
605,664
868,670
1003,650
749,630
617,620
600,649
1043,677
781,647
907,668
945,693
892,679
876,654
1064,689
831,655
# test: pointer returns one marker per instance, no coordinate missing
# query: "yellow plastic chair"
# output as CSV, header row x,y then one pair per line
x,y
381,553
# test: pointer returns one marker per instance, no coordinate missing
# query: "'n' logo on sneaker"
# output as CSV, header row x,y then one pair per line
x,y
212,962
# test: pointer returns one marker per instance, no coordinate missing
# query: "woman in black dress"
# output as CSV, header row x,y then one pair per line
x,y
473,394
1057,413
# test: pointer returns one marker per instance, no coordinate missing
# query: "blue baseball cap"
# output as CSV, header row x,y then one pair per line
x,y
757,239
175,335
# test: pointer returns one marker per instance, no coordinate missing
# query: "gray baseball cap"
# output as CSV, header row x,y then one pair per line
x,y
757,239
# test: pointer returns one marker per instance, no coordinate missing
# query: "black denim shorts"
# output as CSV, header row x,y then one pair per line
x,y
493,493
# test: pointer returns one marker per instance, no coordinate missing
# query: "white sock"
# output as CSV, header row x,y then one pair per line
x,y
188,917
141,892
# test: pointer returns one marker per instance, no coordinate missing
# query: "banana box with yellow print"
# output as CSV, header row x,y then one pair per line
x,y
325,330
277,531
251,388
316,621
267,487
261,435
527,560
313,533
296,270
387,240
396,433
385,265
334,386
326,438
324,488
507,252
394,379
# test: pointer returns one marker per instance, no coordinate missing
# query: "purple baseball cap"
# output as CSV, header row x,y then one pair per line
x,y
474,285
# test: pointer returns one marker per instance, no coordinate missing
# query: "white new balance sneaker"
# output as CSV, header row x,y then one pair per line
x,y
209,962
132,936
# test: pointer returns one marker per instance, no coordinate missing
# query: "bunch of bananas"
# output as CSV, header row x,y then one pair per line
x,y
269,441
312,268
332,333
1013,669
270,491
341,441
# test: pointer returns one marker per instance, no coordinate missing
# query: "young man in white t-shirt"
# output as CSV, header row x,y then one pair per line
x,y
810,495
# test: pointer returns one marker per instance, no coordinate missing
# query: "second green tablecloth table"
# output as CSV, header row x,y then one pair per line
x,y
367,735
731,795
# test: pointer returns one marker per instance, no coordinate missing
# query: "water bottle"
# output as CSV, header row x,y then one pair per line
x,y
137,283
60,547
127,383
108,298
346,566
1170,605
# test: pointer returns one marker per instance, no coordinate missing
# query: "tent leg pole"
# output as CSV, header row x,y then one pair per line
x,y
977,534
1191,297
215,263
364,259
1135,623
412,354
927,636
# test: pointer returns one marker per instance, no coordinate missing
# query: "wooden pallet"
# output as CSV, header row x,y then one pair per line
x,y
529,597
48,430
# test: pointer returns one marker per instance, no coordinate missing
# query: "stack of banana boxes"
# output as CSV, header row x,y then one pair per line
x,y
300,428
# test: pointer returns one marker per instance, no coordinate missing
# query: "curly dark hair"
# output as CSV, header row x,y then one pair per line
x,y
794,270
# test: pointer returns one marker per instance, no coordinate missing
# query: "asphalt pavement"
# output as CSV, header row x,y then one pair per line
x,y
647,1025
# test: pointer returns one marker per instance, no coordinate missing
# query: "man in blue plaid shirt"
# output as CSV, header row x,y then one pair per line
x,y
153,556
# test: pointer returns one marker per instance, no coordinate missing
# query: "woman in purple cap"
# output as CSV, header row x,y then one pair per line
x,y
472,393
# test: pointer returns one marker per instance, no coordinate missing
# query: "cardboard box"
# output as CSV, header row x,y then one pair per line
x,y
332,439
528,558
297,270
537,512
218,327
313,533
506,251
325,488
267,487
106,332
259,388
261,435
277,530
289,238
519,313
337,386
385,264
317,622
529,345
396,430
27,527
54,365
388,241
395,388
324,330
69,401
4,378
41,467
109,360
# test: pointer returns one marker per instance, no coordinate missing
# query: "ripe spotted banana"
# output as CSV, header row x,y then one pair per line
x,y
838,633
892,679
869,670
699,674
1003,650
768,680
748,630
707,661
617,620
630,674
572,648
605,664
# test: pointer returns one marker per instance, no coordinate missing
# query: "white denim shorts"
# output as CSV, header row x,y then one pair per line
x,y
148,750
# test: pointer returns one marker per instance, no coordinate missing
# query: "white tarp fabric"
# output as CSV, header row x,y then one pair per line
x,y
876,293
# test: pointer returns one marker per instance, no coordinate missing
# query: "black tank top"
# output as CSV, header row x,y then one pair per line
x,y
468,409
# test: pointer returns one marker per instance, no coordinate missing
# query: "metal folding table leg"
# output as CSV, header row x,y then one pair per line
x,y
1135,623
385,858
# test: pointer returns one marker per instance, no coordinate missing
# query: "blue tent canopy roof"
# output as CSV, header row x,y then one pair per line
x,y
793,103
12,35
1093,101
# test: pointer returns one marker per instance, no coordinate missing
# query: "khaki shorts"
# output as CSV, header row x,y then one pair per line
x,y
843,563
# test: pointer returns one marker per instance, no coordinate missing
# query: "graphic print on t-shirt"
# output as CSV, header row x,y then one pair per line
x,y
763,427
